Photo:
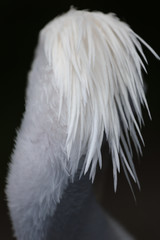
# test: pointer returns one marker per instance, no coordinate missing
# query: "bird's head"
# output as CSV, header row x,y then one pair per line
x,y
91,66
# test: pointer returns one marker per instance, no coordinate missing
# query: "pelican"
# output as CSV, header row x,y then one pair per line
x,y
85,82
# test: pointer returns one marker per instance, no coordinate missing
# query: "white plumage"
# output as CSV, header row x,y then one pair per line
x,y
97,71
85,81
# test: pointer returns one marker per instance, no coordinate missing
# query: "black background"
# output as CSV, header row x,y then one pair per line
x,y
20,23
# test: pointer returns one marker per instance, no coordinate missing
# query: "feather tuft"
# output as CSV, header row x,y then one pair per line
x,y
97,61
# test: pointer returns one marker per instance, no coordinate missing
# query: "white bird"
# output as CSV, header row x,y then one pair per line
x,y
85,81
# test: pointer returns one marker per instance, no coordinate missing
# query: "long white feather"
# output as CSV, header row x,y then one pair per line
x,y
97,70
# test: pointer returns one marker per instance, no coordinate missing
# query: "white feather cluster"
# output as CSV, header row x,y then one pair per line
x,y
96,61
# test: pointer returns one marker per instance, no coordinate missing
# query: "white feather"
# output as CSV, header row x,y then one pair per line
x,y
98,72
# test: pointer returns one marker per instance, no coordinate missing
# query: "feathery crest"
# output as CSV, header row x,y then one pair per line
x,y
96,61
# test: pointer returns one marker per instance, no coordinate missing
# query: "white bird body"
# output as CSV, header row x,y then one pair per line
x,y
85,75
